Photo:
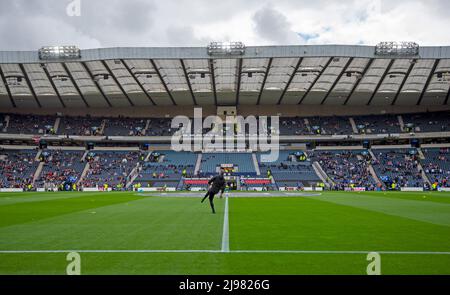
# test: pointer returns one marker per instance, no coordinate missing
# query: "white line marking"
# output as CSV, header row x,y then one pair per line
x,y
225,232
229,251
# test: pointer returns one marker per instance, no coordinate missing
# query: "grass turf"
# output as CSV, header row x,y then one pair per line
x,y
335,221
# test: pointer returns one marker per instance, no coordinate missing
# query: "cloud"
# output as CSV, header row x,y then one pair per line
x,y
27,25
273,26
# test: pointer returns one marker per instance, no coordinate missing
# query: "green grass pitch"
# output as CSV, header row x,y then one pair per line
x,y
129,233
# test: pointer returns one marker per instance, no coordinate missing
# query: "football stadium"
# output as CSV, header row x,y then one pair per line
x,y
331,155
224,146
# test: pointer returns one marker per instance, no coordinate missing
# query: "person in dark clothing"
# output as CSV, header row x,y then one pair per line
x,y
217,184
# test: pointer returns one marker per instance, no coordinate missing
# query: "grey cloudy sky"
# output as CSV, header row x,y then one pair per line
x,y
30,24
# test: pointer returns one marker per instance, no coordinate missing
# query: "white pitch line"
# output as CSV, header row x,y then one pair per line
x,y
229,251
106,251
225,232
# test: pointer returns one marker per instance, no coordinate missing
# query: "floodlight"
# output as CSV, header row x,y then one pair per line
x,y
59,52
226,48
397,49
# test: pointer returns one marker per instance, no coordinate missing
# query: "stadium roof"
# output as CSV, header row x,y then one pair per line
x,y
270,75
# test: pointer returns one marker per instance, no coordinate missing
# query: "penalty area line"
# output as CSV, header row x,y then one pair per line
x,y
229,251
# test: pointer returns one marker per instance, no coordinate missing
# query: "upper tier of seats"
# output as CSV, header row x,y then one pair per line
x,y
381,124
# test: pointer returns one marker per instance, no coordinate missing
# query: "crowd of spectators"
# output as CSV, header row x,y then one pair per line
x,y
17,168
347,169
398,168
59,167
110,168
437,166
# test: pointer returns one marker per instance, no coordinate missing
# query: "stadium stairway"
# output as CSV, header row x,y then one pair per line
x,y
85,171
372,155
322,175
133,174
353,124
422,172
255,163
374,174
147,124
198,163
56,125
84,155
307,125
38,171
401,122
38,154
102,127
421,155
7,118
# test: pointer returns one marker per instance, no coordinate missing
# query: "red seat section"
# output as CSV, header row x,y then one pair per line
x,y
196,181
257,181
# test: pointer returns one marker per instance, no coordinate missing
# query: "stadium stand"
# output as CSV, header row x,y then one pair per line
x,y
331,125
125,127
375,124
425,122
31,124
159,127
110,167
59,165
244,162
399,166
346,168
17,168
288,172
378,124
80,126
168,169
293,126
437,166
348,91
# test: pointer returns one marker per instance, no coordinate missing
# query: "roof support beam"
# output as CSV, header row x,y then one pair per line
x,y
448,97
7,88
137,81
44,67
430,77
337,79
359,81
264,80
381,81
74,84
29,84
315,80
96,83
238,82
162,81
187,81
403,83
213,80
290,80
117,82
